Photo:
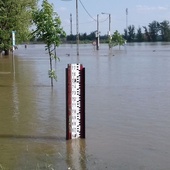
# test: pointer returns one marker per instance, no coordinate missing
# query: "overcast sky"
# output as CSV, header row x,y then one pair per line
x,y
140,13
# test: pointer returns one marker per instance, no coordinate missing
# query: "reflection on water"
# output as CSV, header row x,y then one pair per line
x,y
127,109
76,156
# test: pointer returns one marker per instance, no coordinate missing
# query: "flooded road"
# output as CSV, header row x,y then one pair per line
x,y
127,109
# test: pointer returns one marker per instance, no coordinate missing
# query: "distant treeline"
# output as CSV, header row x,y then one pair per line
x,y
155,31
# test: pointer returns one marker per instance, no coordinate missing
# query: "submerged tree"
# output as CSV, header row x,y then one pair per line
x,y
15,15
48,28
154,28
139,35
129,33
125,34
165,30
147,34
117,39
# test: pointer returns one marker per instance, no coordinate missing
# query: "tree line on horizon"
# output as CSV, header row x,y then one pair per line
x,y
16,15
155,31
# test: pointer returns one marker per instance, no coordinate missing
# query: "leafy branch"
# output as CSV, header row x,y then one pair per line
x,y
116,39
48,28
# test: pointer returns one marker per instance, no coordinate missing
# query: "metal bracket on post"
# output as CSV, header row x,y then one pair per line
x,y
75,101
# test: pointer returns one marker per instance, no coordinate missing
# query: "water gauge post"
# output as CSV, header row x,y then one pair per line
x,y
75,101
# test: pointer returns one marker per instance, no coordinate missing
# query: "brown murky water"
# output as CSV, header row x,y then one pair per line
x,y
127,109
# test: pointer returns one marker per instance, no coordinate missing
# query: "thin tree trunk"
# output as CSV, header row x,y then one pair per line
x,y
51,66
6,52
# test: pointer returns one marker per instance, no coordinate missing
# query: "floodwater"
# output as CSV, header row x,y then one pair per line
x,y
127,109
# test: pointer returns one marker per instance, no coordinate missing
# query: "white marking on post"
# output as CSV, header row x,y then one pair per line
x,y
75,84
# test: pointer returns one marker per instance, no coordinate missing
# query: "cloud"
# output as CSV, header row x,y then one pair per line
x,y
63,9
162,8
144,8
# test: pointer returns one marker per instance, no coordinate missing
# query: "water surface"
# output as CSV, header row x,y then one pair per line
x,y
127,109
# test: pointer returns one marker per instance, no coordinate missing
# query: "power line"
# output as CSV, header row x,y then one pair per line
x,y
90,14
87,11
104,20
94,20
81,23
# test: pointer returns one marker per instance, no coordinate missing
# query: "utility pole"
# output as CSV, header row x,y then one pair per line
x,y
109,30
126,35
109,33
126,18
71,32
97,33
77,27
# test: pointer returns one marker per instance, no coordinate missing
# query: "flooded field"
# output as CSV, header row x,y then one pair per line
x,y
127,109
